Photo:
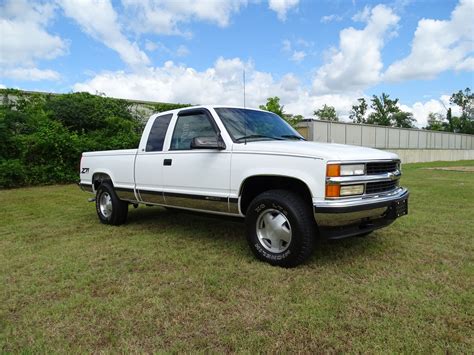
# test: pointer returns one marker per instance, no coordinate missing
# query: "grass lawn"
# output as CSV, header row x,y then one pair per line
x,y
178,282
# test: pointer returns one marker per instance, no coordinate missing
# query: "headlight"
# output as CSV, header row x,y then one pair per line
x,y
350,190
353,169
335,170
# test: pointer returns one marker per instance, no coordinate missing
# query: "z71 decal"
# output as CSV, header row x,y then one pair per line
x,y
84,170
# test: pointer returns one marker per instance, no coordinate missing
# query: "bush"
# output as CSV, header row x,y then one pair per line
x,y
43,135
12,173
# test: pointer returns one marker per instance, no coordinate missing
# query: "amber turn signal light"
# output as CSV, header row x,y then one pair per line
x,y
333,190
333,170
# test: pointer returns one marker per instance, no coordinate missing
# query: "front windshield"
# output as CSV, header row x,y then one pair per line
x,y
244,124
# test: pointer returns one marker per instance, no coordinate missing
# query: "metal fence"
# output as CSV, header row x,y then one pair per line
x,y
384,137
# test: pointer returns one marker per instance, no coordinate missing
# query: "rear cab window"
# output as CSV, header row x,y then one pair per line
x,y
157,134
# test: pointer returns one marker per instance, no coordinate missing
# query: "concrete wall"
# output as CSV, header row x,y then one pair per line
x,y
425,155
412,145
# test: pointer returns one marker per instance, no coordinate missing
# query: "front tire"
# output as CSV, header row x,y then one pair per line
x,y
280,228
110,209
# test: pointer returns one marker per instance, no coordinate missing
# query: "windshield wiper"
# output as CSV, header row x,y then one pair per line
x,y
293,136
257,136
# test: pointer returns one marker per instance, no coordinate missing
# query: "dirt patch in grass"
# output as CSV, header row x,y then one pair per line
x,y
469,169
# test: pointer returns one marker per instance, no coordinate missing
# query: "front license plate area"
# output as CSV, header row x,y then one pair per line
x,y
398,209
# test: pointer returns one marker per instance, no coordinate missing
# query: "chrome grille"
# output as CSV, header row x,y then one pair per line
x,y
380,186
381,167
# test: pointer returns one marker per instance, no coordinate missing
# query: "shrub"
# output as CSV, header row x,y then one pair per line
x,y
44,135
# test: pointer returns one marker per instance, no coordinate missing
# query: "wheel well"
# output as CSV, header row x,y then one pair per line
x,y
255,185
99,178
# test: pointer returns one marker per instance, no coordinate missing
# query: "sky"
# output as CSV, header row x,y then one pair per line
x,y
308,53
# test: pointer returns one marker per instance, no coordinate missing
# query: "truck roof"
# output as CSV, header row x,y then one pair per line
x,y
206,107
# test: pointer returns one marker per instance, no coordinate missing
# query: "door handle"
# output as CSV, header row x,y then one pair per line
x,y
167,162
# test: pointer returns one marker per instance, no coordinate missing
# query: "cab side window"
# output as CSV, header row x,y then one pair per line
x,y
188,127
158,133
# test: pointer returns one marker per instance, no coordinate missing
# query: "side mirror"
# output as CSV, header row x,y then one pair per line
x,y
208,143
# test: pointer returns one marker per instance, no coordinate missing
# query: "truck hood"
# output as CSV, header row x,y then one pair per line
x,y
325,151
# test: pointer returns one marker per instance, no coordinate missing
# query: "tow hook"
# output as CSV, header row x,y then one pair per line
x,y
92,199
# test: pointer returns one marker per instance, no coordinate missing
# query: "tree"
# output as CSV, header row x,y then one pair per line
x,y
43,135
327,113
84,112
385,112
435,122
449,118
462,124
403,119
358,112
161,107
273,105
384,108
465,101
293,120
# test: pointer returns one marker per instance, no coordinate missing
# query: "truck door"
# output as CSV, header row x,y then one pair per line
x,y
149,162
196,178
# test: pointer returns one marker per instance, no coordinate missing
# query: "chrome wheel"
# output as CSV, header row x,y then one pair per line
x,y
274,231
105,204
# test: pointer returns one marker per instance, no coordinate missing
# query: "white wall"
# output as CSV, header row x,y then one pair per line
x,y
425,155
386,137
412,145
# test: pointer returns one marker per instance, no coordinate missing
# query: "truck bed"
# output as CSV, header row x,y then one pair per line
x,y
110,152
118,164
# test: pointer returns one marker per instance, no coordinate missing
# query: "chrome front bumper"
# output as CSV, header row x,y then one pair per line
x,y
344,218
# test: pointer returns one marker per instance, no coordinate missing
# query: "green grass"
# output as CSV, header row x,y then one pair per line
x,y
178,282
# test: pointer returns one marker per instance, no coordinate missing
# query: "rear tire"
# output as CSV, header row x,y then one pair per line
x,y
280,228
110,209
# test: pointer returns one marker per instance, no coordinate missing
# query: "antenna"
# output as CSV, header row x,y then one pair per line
x,y
244,87
442,103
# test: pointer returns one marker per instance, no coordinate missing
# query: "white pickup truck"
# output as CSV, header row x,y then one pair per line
x,y
252,164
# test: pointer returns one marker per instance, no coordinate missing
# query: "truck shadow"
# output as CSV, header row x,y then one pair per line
x,y
229,232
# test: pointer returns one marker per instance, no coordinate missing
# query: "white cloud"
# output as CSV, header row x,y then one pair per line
x,y
439,45
298,56
152,46
281,7
222,84
421,110
219,84
165,17
296,51
357,63
30,74
99,19
286,46
306,103
182,51
330,18
25,39
362,16
304,43
467,64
